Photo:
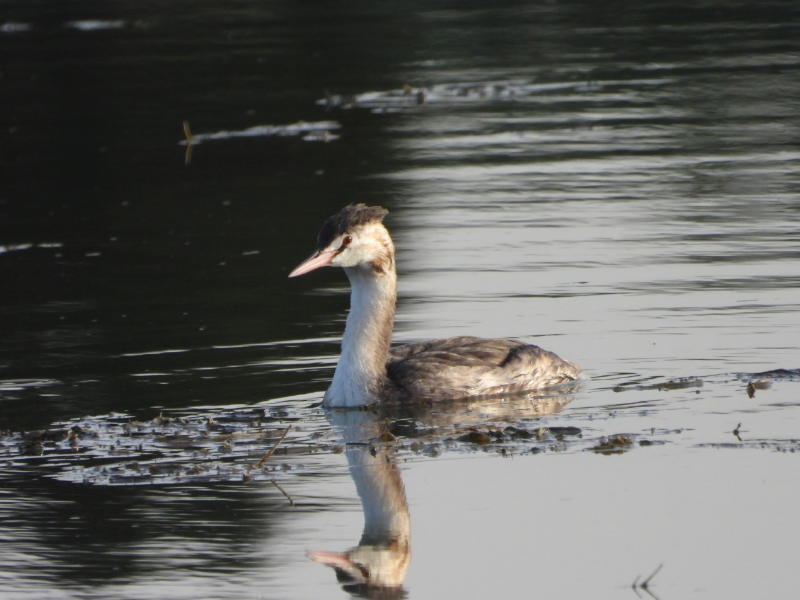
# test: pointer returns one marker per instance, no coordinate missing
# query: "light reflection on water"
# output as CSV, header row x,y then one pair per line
x,y
624,193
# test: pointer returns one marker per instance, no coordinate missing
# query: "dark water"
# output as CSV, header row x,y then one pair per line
x,y
617,182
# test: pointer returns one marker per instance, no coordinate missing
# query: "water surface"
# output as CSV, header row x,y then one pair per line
x,y
619,186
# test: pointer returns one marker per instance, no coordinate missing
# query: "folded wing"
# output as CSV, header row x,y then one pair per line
x,y
460,367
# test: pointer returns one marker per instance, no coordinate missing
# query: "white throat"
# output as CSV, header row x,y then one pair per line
x,y
361,371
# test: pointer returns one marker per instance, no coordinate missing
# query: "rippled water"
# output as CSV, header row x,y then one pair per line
x,y
620,187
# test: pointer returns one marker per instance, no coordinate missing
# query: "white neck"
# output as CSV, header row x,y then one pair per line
x,y
382,495
361,372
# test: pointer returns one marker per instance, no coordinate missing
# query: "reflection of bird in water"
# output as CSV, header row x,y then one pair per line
x,y
367,372
376,567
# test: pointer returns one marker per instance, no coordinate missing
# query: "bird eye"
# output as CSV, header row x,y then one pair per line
x,y
347,240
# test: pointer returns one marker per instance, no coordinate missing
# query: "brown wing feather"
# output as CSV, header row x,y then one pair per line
x,y
468,366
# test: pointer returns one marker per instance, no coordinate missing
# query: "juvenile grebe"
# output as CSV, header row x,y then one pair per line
x,y
368,372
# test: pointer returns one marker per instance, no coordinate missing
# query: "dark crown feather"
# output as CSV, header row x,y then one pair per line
x,y
347,219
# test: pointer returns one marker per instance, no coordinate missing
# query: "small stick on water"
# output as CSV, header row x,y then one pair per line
x,y
633,587
646,582
187,132
645,585
275,447
288,497
189,143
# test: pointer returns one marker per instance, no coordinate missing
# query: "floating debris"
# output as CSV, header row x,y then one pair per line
x,y
775,374
565,431
760,384
651,443
275,447
316,136
387,437
282,491
517,433
408,97
318,128
237,444
615,444
672,384
311,132
645,585
790,446
476,437
116,449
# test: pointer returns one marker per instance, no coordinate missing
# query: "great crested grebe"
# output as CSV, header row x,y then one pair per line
x,y
451,368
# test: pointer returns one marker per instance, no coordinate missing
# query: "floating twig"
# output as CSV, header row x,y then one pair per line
x,y
646,582
189,142
645,585
288,497
187,132
275,447
736,432
634,584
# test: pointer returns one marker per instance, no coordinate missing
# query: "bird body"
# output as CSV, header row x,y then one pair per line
x,y
369,372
